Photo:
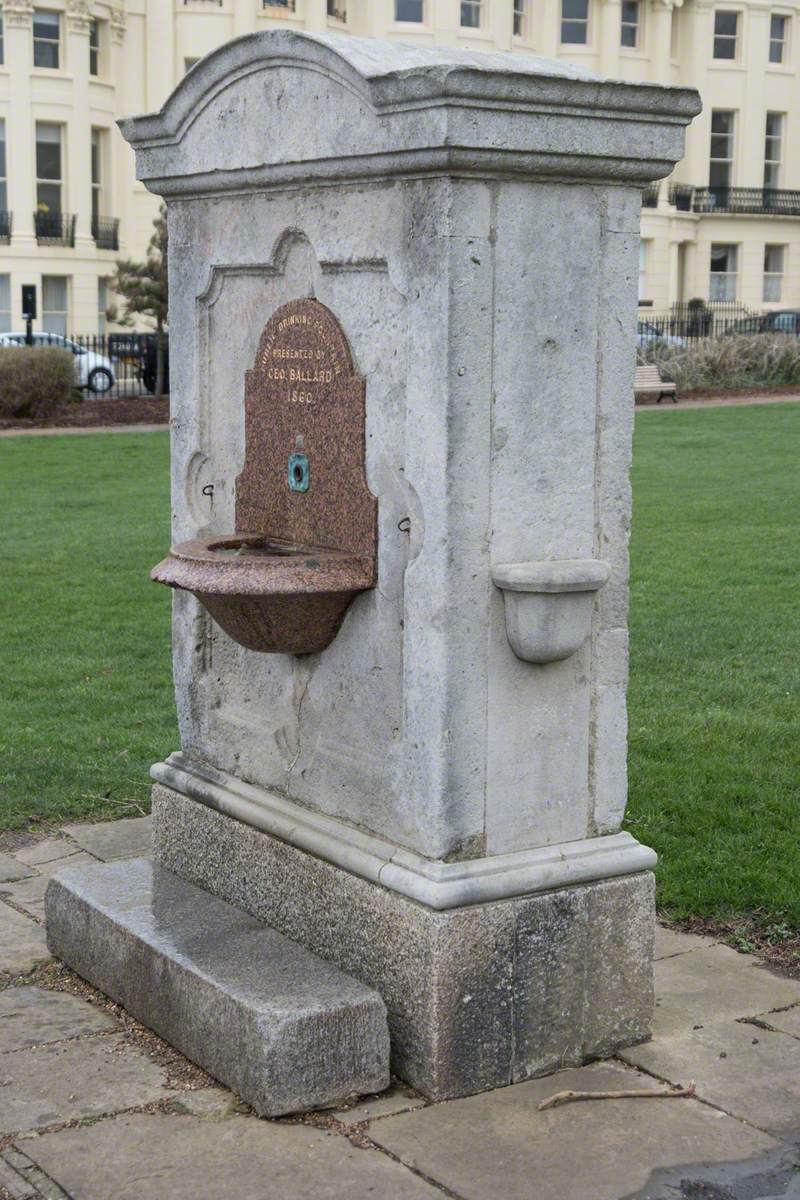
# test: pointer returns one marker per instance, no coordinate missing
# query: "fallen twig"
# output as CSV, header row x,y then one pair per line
x,y
628,1094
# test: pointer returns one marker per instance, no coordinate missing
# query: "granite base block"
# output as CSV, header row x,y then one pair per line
x,y
477,997
286,1030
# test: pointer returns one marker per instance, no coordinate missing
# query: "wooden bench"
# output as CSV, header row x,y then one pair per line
x,y
648,382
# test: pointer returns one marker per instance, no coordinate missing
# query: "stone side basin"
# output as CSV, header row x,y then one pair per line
x,y
267,594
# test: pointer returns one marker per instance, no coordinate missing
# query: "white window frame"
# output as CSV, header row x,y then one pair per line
x,y
421,20
42,180
725,283
643,256
736,37
48,41
476,8
55,316
784,42
96,48
3,168
773,279
5,303
773,151
730,158
636,26
102,304
586,22
521,19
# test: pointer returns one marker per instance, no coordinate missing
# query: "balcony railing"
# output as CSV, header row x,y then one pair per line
x,y
6,221
54,228
105,231
650,196
761,201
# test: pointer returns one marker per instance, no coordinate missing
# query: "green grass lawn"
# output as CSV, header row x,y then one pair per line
x,y
715,659
86,702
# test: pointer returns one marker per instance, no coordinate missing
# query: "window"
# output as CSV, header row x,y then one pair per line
x,y
720,168
471,14
102,305
629,30
97,173
673,34
337,10
521,18
409,10
94,47
5,303
575,22
642,268
48,167
2,41
46,38
722,283
3,176
773,272
772,150
288,5
726,32
54,304
778,31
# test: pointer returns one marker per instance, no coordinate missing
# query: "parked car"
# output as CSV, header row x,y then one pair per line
x,y
780,320
647,334
92,370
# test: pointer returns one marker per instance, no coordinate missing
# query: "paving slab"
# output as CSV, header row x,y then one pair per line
x,y
498,1146
29,893
67,1080
211,1103
749,1072
48,850
108,840
22,942
32,1016
152,1156
193,968
395,1100
786,1020
669,942
715,983
16,1185
11,869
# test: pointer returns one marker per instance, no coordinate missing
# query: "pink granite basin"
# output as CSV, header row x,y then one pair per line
x,y
268,594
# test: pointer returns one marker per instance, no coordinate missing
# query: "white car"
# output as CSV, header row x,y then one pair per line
x,y
92,370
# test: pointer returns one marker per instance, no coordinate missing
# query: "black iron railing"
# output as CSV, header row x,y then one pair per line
x,y
105,231
6,221
650,196
777,202
54,228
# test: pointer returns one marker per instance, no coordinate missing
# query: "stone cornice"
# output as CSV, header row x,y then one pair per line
x,y
405,111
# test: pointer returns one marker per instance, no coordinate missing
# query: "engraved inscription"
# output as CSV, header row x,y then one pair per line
x,y
304,353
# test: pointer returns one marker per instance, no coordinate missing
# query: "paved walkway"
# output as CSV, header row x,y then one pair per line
x,y
66,430
96,1108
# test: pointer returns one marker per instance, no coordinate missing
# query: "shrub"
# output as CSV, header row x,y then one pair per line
x,y
34,381
762,360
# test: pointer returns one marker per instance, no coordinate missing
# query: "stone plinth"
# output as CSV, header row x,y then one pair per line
x,y
447,778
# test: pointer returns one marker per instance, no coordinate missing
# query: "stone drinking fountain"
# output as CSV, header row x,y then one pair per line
x,y
403,286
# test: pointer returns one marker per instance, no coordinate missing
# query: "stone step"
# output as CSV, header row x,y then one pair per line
x,y
283,1028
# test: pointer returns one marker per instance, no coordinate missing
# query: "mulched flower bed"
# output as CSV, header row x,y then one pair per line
x,y
130,410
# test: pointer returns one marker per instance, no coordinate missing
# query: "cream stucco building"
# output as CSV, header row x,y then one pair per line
x,y
726,226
